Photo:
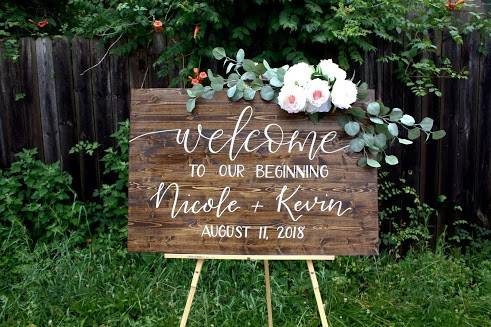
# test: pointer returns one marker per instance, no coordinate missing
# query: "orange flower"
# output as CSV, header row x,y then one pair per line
x,y
39,24
198,76
158,26
196,31
453,6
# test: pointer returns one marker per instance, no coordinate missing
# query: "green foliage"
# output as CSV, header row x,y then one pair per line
x,y
295,31
39,197
377,127
406,217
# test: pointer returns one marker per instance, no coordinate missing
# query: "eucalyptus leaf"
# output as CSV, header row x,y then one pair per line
x,y
352,128
393,129
407,120
404,141
267,93
342,120
257,84
249,93
391,160
248,76
229,67
436,135
231,91
376,120
395,114
219,53
275,81
240,55
426,124
362,162
357,112
266,65
208,93
190,104
373,108
373,163
414,133
384,110
249,65
232,79
237,96
356,145
380,141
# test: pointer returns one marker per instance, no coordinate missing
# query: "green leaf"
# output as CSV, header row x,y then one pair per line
x,y
376,120
393,129
356,145
249,65
384,110
407,120
219,53
426,124
231,91
381,141
217,86
391,160
373,108
373,163
357,112
362,162
396,114
275,81
404,141
232,79
257,84
208,93
240,55
342,120
436,135
267,93
352,128
237,96
249,93
414,133
190,104
229,67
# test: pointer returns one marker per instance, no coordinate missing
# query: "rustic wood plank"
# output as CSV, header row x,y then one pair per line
x,y
5,142
81,60
47,100
159,158
120,89
31,100
65,102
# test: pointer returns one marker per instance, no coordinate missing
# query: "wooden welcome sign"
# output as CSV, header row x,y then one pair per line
x,y
244,178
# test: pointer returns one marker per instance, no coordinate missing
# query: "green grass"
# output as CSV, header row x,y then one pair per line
x,y
104,285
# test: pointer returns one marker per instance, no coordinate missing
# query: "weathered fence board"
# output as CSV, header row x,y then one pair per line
x,y
61,107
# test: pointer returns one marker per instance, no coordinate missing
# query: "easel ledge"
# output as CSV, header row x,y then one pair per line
x,y
202,257
247,257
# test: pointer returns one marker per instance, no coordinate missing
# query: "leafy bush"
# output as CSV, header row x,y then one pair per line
x,y
39,197
403,30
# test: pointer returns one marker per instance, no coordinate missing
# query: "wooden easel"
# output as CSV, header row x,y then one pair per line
x,y
201,258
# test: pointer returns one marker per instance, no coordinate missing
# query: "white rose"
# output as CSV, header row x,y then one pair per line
x,y
343,94
331,71
318,96
292,98
299,74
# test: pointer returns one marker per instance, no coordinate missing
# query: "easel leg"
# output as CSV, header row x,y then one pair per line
x,y
318,298
192,290
268,293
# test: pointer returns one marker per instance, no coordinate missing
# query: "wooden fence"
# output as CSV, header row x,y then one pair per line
x,y
47,103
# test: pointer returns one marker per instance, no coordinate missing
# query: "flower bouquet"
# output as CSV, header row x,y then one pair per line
x,y
316,91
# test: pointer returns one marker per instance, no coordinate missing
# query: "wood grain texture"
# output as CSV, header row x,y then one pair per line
x,y
159,158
